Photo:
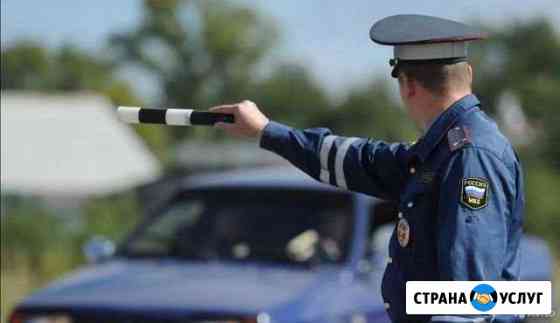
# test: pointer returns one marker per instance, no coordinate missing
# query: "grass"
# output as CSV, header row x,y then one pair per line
x,y
18,280
16,283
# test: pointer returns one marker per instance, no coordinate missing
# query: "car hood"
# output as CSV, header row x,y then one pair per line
x,y
148,286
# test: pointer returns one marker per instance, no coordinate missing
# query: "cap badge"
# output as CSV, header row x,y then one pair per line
x,y
403,232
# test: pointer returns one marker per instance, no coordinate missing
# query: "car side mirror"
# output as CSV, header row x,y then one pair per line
x,y
98,249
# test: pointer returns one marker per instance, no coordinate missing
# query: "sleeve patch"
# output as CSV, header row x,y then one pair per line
x,y
474,192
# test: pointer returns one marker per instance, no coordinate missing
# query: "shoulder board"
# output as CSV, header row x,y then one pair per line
x,y
458,137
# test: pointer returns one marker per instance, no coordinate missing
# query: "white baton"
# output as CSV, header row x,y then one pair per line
x,y
172,117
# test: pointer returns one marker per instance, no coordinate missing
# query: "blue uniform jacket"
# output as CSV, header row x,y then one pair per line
x,y
459,191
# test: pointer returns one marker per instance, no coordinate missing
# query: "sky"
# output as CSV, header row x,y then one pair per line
x,y
330,37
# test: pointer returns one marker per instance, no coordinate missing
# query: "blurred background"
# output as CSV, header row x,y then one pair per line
x,y
71,171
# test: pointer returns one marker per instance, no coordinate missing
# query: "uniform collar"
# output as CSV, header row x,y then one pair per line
x,y
441,125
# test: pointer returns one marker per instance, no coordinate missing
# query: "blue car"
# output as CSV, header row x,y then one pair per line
x,y
262,246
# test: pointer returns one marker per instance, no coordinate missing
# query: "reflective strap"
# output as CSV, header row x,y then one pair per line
x,y
324,176
326,147
339,162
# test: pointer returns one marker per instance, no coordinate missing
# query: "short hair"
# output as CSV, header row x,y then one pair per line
x,y
439,79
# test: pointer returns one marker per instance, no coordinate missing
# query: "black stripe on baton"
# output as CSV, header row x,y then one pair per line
x,y
151,116
210,118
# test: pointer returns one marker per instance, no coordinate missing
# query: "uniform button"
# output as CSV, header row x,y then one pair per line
x,y
389,260
387,305
410,204
412,170
400,215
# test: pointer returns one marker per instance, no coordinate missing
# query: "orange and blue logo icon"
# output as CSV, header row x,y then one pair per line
x,y
483,297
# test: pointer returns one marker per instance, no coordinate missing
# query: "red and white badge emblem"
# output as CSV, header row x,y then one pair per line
x,y
403,232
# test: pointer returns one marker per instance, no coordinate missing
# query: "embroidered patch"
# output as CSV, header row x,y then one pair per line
x,y
403,232
457,137
474,192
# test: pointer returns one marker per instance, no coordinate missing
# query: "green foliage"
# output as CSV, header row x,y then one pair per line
x,y
25,66
541,216
524,58
112,216
27,228
40,243
370,111
289,94
49,241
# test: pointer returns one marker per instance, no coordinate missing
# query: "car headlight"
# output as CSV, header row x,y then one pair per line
x,y
40,318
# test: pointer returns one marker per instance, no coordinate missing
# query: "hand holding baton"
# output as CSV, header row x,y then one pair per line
x,y
172,117
240,119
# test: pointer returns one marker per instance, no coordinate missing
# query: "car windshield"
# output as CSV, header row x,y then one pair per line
x,y
273,226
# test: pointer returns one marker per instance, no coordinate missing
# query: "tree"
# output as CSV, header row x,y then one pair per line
x,y
203,53
25,66
371,111
524,58
28,66
290,94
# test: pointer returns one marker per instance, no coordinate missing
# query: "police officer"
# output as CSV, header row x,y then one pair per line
x,y
459,188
